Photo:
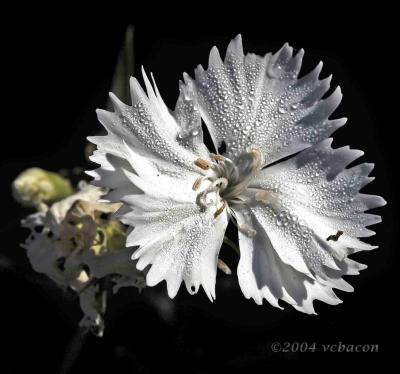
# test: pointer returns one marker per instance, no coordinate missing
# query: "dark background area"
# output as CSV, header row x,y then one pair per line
x,y
58,71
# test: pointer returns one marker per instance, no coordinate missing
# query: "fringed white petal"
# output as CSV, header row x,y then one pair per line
x,y
259,102
180,242
171,140
150,178
188,117
263,274
308,222
195,262
148,161
316,187
175,236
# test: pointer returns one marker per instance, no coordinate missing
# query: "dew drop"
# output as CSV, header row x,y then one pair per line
x,y
281,110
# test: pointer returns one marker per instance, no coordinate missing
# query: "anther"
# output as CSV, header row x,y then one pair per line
x,y
257,155
247,230
263,196
219,210
202,164
197,183
224,267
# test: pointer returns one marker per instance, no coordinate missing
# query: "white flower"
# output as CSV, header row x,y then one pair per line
x,y
74,246
298,218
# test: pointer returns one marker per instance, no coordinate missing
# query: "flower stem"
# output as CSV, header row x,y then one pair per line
x,y
73,351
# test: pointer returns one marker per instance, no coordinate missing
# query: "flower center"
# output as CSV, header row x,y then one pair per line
x,y
226,180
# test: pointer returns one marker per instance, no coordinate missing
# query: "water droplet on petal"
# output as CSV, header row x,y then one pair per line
x,y
281,110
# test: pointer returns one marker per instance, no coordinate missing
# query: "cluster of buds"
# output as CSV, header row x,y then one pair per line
x,y
76,241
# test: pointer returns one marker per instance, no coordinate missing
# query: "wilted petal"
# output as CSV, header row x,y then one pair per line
x,y
118,265
58,210
44,256
92,303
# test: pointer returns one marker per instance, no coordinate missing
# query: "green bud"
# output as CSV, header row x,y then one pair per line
x,y
36,186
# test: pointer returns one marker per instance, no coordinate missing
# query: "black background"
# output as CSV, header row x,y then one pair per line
x,y
58,71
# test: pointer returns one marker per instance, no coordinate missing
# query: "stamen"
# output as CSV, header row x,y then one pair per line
x,y
197,183
263,196
257,155
247,230
217,157
219,210
202,164
229,180
239,200
224,267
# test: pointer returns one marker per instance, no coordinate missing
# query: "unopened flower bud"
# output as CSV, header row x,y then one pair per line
x,y
36,186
